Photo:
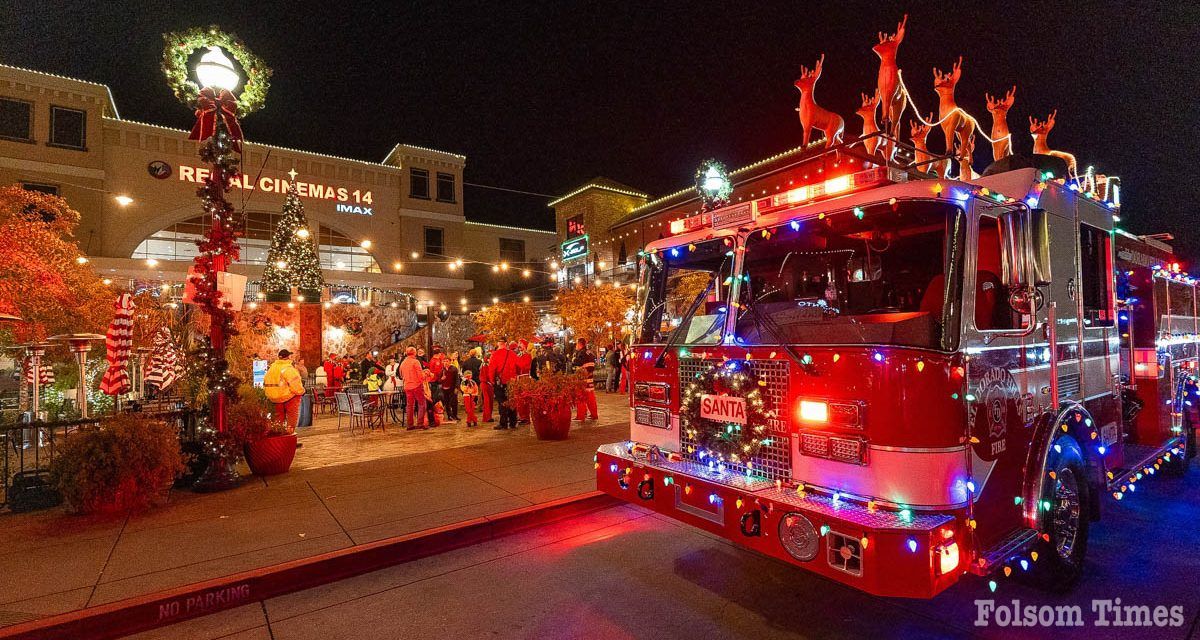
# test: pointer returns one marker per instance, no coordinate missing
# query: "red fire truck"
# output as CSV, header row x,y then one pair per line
x,y
893,379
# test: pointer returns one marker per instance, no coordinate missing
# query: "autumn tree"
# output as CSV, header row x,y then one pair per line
x,y
507,320
43,277
594,312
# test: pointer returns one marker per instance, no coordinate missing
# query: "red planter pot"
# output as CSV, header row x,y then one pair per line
x,y
272,455
553,424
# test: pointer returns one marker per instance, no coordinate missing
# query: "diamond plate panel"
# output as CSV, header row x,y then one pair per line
x,y
689,468
854,512
774,460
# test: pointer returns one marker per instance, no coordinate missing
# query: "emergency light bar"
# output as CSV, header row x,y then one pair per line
x,y
830,187
690,224
742,213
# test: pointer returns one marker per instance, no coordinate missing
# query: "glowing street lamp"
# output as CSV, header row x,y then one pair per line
x,y
215,70
218,94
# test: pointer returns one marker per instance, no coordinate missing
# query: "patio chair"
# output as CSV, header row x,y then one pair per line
x,y
324,401
342,401
396,407
370,412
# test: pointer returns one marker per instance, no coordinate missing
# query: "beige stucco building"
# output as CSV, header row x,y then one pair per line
x,y
395,225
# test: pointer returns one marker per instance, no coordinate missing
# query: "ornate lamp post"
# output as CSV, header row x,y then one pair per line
x,y
80,344
210,91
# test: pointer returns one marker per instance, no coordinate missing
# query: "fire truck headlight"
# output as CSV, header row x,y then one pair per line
x,y
947,557
814,411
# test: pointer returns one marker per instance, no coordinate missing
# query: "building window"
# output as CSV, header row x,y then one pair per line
x,y
40,188
418,183
16,120
445,187
622,255
992,312
1095,278
68,128
177,242
512,250
575,227
435,242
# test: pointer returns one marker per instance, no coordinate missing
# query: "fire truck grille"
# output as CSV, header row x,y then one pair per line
x,y
775,459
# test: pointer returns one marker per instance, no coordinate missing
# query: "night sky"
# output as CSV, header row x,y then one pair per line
x,y
542,96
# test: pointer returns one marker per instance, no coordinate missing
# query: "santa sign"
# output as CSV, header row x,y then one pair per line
x,y
723,408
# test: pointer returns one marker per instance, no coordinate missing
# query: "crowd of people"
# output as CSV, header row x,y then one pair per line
x,y
434,387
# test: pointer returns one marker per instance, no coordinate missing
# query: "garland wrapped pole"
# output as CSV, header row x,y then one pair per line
x,y
217,110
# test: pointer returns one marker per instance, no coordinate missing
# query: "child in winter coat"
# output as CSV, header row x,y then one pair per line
x,y
470,393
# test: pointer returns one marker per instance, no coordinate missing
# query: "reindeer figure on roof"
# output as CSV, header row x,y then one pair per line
x,y
812,115
888,92
867,113
966,156
919,132
1001,136
1039,131
955,122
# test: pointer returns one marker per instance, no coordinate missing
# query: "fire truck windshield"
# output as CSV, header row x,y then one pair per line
x,y
885,275
677,279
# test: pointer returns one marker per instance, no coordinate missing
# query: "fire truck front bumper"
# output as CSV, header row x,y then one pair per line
x,y
876,550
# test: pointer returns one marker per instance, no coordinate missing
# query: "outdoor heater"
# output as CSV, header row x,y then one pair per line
x,y
80,344
35,351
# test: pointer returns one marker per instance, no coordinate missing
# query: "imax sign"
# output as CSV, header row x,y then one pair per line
x,y
353,208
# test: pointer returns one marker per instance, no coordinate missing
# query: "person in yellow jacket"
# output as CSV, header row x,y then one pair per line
x,y
283,386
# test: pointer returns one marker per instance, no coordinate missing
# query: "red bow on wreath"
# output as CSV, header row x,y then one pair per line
x,y
209,105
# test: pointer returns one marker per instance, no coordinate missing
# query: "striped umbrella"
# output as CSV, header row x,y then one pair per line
x,y
45,372
164,361
118,343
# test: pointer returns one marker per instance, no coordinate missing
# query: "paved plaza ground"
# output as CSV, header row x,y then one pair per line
x,y
342,490
624,572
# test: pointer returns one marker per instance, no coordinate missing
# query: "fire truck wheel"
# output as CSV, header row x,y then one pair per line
x,y
1065,500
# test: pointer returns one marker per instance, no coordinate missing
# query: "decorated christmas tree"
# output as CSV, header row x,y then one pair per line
x,y
292,260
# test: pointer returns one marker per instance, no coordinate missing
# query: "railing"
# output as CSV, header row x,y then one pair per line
x,y
31,446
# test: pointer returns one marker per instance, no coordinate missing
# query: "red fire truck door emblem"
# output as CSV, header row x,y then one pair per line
x,y
994,405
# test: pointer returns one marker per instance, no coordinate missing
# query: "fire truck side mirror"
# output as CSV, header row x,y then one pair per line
x,y
1039,228
1017,254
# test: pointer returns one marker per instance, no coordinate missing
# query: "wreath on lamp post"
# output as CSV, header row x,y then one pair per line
x,y
726,442
182,44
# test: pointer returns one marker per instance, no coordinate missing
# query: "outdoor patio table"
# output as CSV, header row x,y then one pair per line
x,y
384,397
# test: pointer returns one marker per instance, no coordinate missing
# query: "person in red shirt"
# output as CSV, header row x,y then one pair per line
x,y
413,376
335,375
524,366
584,362
503,364
485,390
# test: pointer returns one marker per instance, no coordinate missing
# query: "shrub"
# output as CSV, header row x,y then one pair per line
x,y
548,394
249,421
124,464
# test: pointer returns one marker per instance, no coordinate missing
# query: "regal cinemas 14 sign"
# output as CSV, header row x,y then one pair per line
x,y
355,201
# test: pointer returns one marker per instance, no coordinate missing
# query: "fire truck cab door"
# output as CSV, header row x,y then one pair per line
x,y
1008,378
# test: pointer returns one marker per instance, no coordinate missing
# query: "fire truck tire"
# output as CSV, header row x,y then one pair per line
x,y
1063,539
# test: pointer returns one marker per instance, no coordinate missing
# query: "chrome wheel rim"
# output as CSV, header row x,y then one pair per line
x,y
1067,509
